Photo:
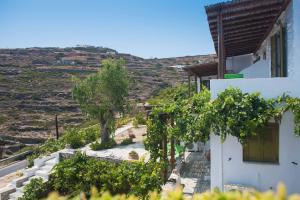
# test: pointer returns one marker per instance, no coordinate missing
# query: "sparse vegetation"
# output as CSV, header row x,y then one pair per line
x,y
139,119
96,146
2,120
127,141
74,137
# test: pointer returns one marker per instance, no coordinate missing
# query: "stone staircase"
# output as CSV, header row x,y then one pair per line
x,y
41,169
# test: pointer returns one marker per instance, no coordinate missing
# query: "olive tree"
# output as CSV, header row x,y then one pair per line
x,y
103,94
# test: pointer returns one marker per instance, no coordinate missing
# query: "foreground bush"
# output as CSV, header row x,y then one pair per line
x,y
80,173
178,195
35,190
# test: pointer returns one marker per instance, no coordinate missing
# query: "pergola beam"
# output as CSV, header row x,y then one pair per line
x,y
221,47
248,12
244,22
244,26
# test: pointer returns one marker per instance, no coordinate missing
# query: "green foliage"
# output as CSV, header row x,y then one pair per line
x,y
75,137
103,94
177,194
232,113
35,190
122,121
168,95
127,141
241,114
80,173
293,104
139,119
96,146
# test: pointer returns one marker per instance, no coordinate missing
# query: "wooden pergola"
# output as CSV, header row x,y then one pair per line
x,y
204,69
239,27
201,70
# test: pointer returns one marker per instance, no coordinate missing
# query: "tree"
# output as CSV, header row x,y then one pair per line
x,y
103,94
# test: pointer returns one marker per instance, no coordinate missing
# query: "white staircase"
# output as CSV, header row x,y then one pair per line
x,y
41,169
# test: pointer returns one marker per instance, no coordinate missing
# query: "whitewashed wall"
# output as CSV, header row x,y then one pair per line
x,y
260,69
227,159
295,41
238,63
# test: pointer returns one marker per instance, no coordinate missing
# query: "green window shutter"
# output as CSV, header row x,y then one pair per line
x,y
273,56
283,52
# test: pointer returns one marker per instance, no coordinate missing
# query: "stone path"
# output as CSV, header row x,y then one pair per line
x,y
195,174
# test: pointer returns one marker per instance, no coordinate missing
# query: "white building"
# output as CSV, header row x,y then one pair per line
x,y
261,40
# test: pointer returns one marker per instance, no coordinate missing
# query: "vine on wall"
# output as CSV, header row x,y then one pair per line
x,y
232,113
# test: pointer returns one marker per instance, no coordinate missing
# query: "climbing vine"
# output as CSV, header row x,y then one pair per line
x,y
241,114
232,113
292,104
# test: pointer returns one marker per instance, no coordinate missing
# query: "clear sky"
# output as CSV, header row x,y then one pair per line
x,y
146,28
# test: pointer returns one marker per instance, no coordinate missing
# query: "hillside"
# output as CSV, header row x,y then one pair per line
x,y
35,84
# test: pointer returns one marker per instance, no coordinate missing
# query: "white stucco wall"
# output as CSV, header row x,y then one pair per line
x,y
259,175
260,69
238,63
295,41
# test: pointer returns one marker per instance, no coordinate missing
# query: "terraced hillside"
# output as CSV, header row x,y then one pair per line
x,y
35,85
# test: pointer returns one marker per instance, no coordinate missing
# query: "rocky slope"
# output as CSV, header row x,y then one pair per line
x,y
35,84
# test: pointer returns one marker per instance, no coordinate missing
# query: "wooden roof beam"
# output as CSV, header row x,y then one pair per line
x,y
257,11
243,26
286,3
241,7
236,35
246,19
254,39
241,39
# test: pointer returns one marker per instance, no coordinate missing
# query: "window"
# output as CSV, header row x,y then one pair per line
x,y
278,54
206,83
264,147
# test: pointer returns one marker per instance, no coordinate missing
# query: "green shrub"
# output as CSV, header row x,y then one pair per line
x,y
75,137
35,190
122,121
96,146
76,141
139,119
91,133
80,173
127,141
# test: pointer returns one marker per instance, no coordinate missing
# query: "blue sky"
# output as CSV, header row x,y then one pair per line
x,y
146,28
